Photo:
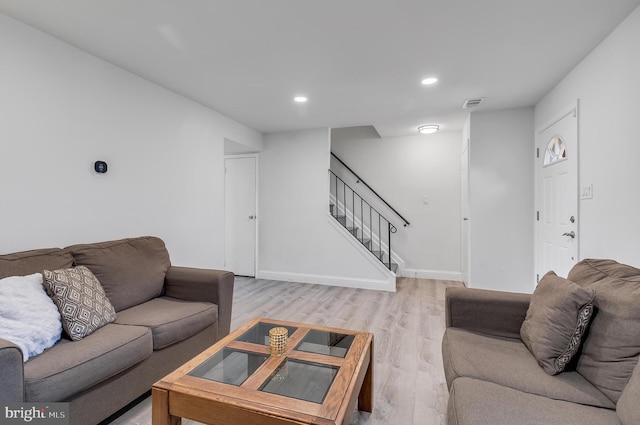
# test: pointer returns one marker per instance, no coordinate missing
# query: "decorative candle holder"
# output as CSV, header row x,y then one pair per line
x,y
278,340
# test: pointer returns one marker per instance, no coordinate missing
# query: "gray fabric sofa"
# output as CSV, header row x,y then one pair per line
x,y
165,316
494,379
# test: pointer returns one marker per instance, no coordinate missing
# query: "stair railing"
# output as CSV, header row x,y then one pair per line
x,y
363,221
360,180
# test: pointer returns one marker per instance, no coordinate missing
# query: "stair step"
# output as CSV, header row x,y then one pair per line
x,y
382,256
343,220
353,230
394,266
379,254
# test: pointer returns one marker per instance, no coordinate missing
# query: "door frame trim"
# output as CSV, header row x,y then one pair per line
x,y
256,156
571,108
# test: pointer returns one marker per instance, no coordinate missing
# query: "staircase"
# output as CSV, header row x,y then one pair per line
x,y
363,221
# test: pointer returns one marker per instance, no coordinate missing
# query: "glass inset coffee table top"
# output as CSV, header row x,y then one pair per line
x,y
302,380
259,334
295,378
323,373
329,343
229,366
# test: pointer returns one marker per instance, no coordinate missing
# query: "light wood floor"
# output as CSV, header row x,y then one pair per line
x,y
409,385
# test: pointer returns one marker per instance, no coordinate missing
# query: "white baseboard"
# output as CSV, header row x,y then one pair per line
x,y
433,274
348,282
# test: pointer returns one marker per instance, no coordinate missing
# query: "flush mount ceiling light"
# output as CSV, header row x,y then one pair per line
x,y
300,99
428,129
429,81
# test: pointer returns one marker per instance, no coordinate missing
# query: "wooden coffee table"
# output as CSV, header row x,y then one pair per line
x,y
319,379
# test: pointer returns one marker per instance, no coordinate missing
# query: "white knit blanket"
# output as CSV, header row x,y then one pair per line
x,y
28,317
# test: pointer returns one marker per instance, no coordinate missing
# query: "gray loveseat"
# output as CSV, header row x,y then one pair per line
x,y
494,379
165,316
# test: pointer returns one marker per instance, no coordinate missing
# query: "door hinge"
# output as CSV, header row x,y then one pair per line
x,y
537,152
537,215
537,278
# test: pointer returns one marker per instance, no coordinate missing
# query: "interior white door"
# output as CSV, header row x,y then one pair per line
x,y
557,195
240,214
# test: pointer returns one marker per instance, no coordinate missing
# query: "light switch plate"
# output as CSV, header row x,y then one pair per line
x,y
586,191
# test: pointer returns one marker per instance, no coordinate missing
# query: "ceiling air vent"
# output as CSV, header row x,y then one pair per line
x,y
472,103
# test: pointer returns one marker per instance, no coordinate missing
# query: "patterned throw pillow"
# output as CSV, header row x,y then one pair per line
x,y
558,316
83,305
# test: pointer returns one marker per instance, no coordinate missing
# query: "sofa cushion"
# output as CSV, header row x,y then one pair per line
x,y
628,407
558,316
170,320
106,352
30,262
475,402
611,346
80,299
508,362
131,271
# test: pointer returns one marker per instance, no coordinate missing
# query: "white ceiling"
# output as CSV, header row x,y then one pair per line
x,y
360,62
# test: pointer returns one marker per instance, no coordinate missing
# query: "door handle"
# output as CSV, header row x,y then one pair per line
x,y
251,217
571,234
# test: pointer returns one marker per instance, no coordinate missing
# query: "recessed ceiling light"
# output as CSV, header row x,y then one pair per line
x,y
429,81
428,129
300,99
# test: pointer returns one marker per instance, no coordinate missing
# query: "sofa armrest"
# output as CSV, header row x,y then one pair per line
x,y
214,286
11,372
492,312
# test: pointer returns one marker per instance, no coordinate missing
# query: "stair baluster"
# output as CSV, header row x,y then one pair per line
x,y
343,214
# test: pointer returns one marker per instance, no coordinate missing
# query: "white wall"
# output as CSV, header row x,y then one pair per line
x,y
299,241
607,84
501,200
404,170
63,109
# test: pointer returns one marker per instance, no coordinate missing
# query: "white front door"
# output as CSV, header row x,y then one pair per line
x,y
557,194
240,206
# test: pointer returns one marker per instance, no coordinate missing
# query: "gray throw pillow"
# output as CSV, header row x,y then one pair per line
x,y
556,320
82,303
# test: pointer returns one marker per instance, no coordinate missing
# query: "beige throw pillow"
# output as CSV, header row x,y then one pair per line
x,y
82,303
558,316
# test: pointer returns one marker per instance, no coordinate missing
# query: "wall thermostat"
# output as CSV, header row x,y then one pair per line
x,y
100,167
